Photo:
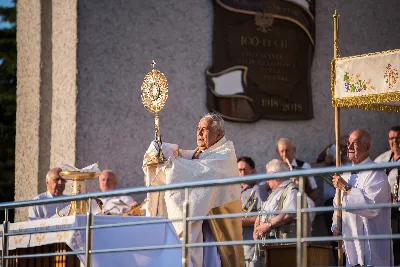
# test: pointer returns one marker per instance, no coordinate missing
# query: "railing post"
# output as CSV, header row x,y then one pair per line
x,y
88,245
301,231
304,222
4,251
299,252
185,236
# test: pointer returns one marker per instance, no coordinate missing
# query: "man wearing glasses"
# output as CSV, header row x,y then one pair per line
x,y
55,187
362,189
393,155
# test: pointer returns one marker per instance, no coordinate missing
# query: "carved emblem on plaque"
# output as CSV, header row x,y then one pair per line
x,y
264,22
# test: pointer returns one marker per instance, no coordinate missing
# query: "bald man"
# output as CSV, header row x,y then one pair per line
x,y
364,188
113,205
55,187
286,150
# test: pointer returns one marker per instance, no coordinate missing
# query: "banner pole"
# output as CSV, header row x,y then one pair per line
x,y
338,195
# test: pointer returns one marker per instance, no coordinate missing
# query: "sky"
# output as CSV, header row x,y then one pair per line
x,y
5,3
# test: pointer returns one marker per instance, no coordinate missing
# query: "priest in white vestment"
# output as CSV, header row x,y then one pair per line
x,y
364,188
214,157
393,155
111,205
55,187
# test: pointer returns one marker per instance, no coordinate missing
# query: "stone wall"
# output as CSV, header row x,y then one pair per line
x,y
118,40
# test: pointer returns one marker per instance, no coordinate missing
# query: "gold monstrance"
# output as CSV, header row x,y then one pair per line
x,y
154,96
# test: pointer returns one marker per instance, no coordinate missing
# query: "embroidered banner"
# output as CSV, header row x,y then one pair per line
x,y
262,56
369,81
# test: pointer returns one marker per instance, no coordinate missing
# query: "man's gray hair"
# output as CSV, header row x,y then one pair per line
x,y
218,121
285,140
277,165
49,176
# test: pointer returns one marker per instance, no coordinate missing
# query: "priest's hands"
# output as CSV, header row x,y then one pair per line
x,y
336,232
261,230
339,182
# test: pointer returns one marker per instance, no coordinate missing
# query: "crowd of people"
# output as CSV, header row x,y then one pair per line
x,y
215,157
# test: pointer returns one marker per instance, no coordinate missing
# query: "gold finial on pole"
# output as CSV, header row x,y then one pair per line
x,y
338,194
336,17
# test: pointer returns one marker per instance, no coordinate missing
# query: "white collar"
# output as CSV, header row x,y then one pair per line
x,y
217,144
367,160
294,162
211,148
50,195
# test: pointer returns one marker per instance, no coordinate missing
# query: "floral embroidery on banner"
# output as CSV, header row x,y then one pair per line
x,y
354,84
391,76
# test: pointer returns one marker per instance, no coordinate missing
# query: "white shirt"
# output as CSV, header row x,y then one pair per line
x,y
271,204
45,211
392,177
311,204
311,179
114,205
368,187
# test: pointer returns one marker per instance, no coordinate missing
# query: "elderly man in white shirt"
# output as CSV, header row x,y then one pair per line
x,y
364,188
112,205
55,187
282,197
286,150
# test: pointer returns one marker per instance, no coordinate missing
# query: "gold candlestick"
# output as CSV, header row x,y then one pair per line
x,y
79,187
154,96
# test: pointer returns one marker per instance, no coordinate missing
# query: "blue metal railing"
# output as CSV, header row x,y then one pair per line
x,y
299,240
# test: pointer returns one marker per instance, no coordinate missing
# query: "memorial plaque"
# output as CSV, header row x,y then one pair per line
x,y
262,56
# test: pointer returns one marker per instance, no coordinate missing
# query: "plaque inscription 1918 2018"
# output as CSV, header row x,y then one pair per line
x,y
262,56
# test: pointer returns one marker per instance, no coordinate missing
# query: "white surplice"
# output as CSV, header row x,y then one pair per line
x,y
368,187
46,211
392,176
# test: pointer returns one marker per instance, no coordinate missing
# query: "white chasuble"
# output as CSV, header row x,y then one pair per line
x,y
218,161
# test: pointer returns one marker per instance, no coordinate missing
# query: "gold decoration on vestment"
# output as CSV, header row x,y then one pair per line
x,y
154,96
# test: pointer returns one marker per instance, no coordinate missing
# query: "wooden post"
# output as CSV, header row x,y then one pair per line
x,y
338,195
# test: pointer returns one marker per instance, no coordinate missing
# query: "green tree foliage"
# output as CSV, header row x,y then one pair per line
x,y
8,83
